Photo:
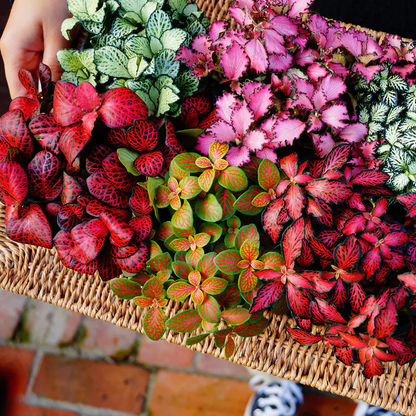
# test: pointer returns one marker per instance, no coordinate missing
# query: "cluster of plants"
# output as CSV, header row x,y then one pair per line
x,y
268,167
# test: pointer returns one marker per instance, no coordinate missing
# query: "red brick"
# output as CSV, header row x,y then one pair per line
x,y
107,339
11,308
16,364
23,410
211,365
92,383
164,354
326,405
184,394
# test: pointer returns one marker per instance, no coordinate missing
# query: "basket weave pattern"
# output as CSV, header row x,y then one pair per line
x,y
38,273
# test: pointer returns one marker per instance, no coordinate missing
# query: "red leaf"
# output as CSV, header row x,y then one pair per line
x,y
408,200
28,225
72,142
297,302
143,136
409,281
14,130
87,97
86,248
320,249
339,298
117,173
294,201
26,79
137,262
107,268
46,131
140,202
337,157
353,341
330,312
344,354
96,157
357,297
400,349
121,107
267,295
120,233
69,216
13,183
142,226
102,189
373,367
386,321
372,261
171,141
45,77
45,175
271,219
150,164
347,254
27,105
303,337
292,241
331,191
370,178
65,108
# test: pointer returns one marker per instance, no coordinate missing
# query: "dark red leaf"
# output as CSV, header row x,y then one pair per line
x,y
143,136
409,281
370,178
26,79
72,142
386,321
347,254
46,131
337,157
330,312
65,108
150,164
408,200
45,176
137,262
29,106
45,77
320,249
72,189
102,189
14,130
86,248
28,225
117,137
344,354
13,183
123,252
69,216
140,202
292,241
267,295
400,349
297,302
121,107
171,140
95,228
330,191
107,268
303,337
96,157
117,173
339,298
357,296
142,227
120,233
373,367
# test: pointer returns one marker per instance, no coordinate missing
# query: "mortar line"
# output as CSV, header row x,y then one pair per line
x,y
34,370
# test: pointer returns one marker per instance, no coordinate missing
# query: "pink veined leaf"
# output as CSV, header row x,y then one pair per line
x,y
408,200
121,107
234,62
396,238
347,254
292,241
303,337
294,202
335,116
370,178
386,321
257,55
337,157
330,312
274,42
298,302
371,261
280,63
289,165
330,191
284,25
409,281
286,131
241,119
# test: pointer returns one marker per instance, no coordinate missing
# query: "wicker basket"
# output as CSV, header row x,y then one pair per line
x,y
38,273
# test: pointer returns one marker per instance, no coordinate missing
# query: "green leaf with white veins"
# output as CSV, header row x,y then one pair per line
x,y
166,64
165,81
113,62
147,10
139,45
136,66
178,5
187,83
122,27
173,39
93,27
166,98
67,26
158,23
155,45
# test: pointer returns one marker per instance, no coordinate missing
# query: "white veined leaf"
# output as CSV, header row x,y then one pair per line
x,y
70,77
383,84
408,140
147,10
132,5
364,116
398,83
187,83
99,15
143,86
166,98
158,22
111,61
166,64
178,5
195,29
399,159
399,181
374,128
67,26
150,104
412,168
394,113
133,18
117,83
173,39
175,110
112,6
81,8
392,133
122,28
410,101
383,150
408,123
136,66
389,97
103,79
93,27
155,45
69,60
192,9
379,112
139,45
150,70
165,81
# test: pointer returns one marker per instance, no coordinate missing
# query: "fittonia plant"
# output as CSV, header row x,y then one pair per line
x,y
388,105
134,44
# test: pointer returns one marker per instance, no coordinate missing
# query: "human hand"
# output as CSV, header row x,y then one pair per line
x,y
33,35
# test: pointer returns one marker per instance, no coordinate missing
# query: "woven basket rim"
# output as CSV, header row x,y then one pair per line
x,y
37,272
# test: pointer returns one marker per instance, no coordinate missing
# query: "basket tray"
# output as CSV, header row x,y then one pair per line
x,y
37,272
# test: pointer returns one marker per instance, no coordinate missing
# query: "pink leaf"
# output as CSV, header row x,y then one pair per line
x,y
234,61
335,115
354,133
367,72
255,140
286,131
333,87
238,156
257,54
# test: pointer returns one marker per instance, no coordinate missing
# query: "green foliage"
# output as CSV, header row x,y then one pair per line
x,y
134,43
387,104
